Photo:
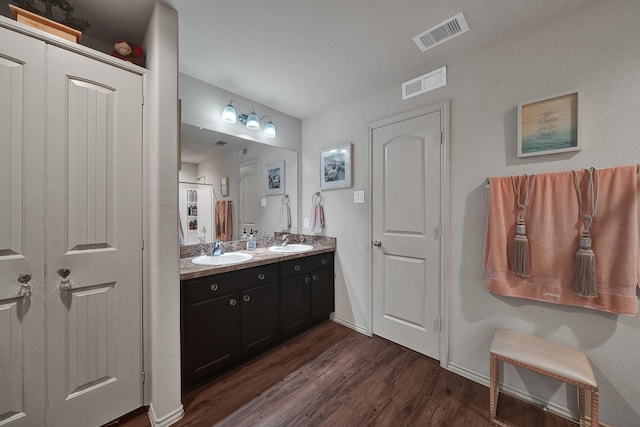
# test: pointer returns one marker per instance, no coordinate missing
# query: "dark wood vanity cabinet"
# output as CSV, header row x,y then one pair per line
x,y
224,318
227,317
306,292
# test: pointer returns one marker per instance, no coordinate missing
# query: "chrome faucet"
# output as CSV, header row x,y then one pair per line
x,y
217,249
285,240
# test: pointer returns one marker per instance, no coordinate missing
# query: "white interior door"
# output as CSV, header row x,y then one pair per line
x,y
94,230
250,191
406,226
22,393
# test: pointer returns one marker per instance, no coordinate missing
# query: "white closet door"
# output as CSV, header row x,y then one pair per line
x,y
94,230
22,401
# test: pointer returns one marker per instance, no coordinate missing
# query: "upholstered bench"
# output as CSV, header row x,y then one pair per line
x,y
549,358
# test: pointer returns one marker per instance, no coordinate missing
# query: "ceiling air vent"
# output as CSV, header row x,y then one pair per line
x,y
220,143
442,32
425,83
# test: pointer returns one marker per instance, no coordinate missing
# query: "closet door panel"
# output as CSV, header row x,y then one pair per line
x,y
94,218
22,397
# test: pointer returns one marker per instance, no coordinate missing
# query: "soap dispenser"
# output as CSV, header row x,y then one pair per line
x,y
244,234
251,242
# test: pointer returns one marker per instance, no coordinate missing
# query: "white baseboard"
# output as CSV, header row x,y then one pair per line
x,y
512,391
349,324
168,419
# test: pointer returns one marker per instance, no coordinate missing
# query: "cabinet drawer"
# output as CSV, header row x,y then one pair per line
x,y
306,264
219,284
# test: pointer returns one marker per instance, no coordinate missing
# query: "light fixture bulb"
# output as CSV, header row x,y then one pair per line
x,y
270,130
229,114
253,122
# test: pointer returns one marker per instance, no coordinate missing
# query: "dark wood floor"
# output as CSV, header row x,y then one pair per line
x,y
334,376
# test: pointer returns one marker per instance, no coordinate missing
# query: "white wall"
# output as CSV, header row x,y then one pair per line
x,y
188,172
161,259
594,48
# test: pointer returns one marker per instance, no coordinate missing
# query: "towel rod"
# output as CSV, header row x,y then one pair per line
x,y
316,194
486,181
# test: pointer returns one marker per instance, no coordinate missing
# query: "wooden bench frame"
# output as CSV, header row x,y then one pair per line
x,y
583,388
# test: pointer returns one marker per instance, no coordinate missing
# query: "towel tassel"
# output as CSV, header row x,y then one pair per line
x,y
520,262
584,271
584,268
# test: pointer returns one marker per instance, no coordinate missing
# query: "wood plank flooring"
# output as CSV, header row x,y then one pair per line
x,y
334,376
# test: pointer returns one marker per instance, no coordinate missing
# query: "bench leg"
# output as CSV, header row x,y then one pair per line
x,y
493,387
582,408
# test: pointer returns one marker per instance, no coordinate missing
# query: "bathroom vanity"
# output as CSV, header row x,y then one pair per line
x,y
230,313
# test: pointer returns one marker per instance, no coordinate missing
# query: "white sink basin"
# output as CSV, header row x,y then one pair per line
x,y
226,258
291,248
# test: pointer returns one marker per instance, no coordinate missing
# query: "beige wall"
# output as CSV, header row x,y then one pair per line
x,y
161,273
594,48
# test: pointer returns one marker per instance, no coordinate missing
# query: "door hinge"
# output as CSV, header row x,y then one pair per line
x,y
142,376
440,231
439,323
441,137
142,95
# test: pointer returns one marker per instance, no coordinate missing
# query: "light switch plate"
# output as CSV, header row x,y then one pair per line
x,y
358,196
263,202
306,222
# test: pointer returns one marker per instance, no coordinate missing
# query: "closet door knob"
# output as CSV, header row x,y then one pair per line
x,y
377,243
64,284
25,288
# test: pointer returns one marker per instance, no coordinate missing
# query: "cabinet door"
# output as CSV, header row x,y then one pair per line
x,y
94,229
321,294
22,394
211,338
294,304
259,317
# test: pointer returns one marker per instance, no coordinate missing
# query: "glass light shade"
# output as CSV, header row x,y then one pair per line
x,y
229,114
253,122
270,130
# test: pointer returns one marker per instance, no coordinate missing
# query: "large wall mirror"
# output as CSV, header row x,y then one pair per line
x,y
246,181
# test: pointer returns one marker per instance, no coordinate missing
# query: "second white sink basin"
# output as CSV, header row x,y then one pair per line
x,y
291,248
226,258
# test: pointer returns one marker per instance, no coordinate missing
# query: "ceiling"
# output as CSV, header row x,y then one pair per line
x,y
302,56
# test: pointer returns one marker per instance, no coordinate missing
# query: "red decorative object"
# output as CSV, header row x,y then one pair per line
x,y
129,52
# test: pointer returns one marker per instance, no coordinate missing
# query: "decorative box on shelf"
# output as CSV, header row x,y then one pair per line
x,y
45,24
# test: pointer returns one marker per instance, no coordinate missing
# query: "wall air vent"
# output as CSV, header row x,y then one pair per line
x,y
425,83
220,143
442,32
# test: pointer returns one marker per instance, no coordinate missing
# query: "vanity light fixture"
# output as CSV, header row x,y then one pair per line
x,y
250,120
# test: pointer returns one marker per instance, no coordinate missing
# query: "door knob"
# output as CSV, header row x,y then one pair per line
x,y
64,284
377,243
25,288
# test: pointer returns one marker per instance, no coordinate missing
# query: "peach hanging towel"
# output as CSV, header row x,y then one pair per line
x,y
223,221
553,226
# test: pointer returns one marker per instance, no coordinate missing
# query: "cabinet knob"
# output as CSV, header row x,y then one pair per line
x,y
24,278
214,287
246,298
377,243
324,260
307,280
260,276
233,301
296,267
315,277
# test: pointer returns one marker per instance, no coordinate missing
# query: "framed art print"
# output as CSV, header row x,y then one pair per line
x,y
549,125
335,167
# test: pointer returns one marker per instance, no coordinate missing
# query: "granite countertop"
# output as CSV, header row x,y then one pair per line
x,y
261,256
